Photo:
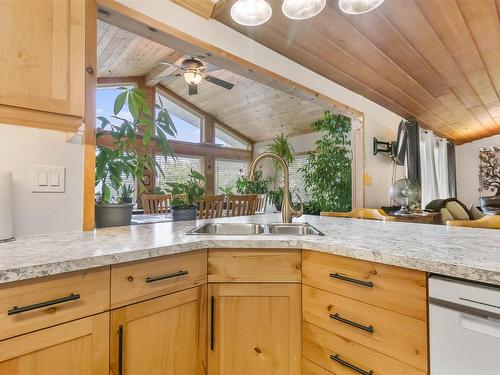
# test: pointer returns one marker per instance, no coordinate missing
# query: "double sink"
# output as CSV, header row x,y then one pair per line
x,y
297,229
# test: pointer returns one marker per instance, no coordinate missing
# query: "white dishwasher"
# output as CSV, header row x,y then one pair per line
x,y
464,327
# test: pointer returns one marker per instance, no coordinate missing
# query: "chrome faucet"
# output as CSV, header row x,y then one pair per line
x,y
287,210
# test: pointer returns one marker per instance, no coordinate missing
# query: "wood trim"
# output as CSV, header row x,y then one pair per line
x,y
140,24
39,119
119,80
203,8
90,115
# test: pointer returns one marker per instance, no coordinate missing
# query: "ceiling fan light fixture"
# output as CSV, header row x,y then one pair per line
x,y
358,6
302,9
193,77
251,12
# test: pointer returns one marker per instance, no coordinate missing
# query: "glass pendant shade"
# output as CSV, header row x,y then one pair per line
x,y
302,9
193,78
358,6
251,12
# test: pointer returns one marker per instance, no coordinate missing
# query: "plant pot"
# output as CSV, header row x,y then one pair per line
x,y
490,205
113,215
183,213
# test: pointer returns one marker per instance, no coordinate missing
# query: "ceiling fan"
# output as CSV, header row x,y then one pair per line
x,y
194,72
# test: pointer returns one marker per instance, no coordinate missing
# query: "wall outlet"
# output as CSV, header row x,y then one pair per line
x,y
48,179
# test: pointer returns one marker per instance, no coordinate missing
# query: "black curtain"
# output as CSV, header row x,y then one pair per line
x,y
452,170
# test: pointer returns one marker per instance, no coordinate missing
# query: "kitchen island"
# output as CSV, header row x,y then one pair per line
x,y
150,297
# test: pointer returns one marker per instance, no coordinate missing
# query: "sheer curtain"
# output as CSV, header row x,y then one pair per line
x,y
434,167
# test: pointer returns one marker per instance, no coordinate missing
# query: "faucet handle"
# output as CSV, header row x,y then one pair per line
x,y
300,211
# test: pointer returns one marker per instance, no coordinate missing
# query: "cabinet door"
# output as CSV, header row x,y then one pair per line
x,y
42,55
164,335
80,347
254,329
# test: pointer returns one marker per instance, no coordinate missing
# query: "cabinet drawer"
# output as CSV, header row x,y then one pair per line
x,y
31,305
336,354
145,279
310,368
396,335
393,288
254,265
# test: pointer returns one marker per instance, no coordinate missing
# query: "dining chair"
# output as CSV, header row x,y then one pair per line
x,y
362,213
487,221
156,203
261,203
241,205
210,206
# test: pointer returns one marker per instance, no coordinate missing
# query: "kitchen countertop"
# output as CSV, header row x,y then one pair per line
x,y
467,253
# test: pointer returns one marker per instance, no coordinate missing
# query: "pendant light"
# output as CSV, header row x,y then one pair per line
x,y
358,6
302,9
251,12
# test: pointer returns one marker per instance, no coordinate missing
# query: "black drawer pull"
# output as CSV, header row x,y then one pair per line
x,y
336,316
169,276
368,284
337,358
212,321
120,349
18,310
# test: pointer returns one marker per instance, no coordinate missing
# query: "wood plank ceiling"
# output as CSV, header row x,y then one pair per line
x,y
437,61
253,109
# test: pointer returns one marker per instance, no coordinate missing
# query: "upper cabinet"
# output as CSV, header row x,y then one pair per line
x,y
42,63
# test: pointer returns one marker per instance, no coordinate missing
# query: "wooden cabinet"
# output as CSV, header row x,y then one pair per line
x,y
80,347
164,335
254,329
42,63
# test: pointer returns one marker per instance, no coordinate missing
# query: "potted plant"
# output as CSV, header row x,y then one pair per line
x,y
281,146
258,185
128,152
186,195
126,194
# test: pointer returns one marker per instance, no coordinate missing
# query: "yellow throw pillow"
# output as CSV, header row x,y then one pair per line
x,y
457,211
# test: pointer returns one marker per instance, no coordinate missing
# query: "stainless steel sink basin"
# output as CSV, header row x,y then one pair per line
x,y
298,229
229,228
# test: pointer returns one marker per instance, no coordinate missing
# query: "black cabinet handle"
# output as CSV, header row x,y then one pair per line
x,y
152,279
120,350
18,310
337,358
336,316
368,284
212,312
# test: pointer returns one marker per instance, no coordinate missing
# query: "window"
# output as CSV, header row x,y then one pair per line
x,y
187,123
177,170
297,178
224,138
228,171
126,181
105,100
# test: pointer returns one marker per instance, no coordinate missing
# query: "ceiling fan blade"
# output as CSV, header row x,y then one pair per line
x,y
219,82
161,78
193,89
211,68
170,64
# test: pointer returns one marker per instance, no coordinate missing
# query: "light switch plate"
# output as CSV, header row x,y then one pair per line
x,y
48,179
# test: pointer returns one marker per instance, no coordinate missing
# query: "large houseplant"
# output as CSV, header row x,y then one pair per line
x,y
186,195
281,146
327,172
128,152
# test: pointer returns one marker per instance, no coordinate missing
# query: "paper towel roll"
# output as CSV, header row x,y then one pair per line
x,y
6,210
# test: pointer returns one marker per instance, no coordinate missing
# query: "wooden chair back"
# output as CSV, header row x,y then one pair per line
x,y
211,206
156,203
488,221
241,205
362,213
261,203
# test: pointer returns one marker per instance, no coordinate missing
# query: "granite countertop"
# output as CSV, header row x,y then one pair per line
x,y
467,253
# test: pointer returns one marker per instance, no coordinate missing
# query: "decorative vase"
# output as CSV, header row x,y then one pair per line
x,y
113,215
491,205
184,213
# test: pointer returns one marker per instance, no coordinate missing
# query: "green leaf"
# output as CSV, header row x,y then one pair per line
x,y
120,102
